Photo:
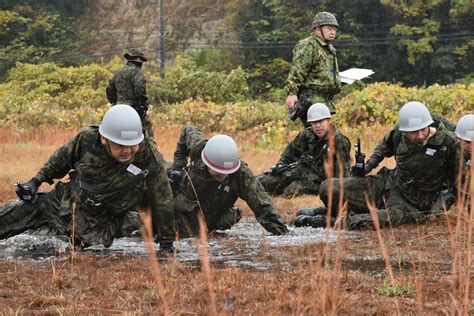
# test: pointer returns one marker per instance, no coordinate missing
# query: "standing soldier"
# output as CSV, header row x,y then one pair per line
x,y
211,184
300,169
314,75
427,162
128,86
113,170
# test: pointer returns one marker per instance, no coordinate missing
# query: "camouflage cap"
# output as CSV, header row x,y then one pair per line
x,y
324,18
134,53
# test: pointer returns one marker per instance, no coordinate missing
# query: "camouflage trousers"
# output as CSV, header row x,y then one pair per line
x,y
291,182
54,211
392,207
314,97
187,213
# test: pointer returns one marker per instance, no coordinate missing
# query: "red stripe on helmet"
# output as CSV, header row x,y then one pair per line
x,y
219,167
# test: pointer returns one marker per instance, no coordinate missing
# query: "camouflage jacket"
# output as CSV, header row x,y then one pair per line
x,y
421,171
104,189
128,86
314,68
214,196
466,176
311,152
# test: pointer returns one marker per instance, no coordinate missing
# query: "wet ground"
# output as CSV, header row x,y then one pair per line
x,y
242,246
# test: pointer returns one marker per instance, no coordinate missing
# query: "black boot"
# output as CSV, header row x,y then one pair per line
x,y
316,221
311,211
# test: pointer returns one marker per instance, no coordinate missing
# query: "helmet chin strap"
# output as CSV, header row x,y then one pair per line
x,y
322,34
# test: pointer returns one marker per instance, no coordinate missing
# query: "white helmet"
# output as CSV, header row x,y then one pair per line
x,y
414,116
122,125
465,127
317,112
221,154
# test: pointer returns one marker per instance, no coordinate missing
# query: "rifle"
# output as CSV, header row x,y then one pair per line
x,y
298,109
359,169
280,167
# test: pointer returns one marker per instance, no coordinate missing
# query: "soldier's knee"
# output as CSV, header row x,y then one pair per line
x,y
323,191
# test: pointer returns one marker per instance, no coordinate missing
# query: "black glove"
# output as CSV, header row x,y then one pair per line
x,y
166,246
278,168
174,174
367,169
358,172
27,191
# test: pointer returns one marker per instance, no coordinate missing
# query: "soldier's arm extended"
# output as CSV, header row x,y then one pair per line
x,y
300,67
260,202
386,148
64,158
295,149
190,144
343,151
159,198
111,92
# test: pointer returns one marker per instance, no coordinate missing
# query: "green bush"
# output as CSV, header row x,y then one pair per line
x,y
185,80
227,117
35,95
380,102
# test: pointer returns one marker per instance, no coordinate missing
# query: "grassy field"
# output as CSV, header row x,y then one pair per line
x,y
412,269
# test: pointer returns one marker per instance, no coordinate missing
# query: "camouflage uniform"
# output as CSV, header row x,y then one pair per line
x,y
314,73
195,191
128,86
466,179
102,192
310,153
410,192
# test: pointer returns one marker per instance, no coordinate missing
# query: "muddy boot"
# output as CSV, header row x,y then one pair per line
x,y
311,211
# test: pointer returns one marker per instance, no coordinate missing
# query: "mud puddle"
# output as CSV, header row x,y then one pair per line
x,y
246,245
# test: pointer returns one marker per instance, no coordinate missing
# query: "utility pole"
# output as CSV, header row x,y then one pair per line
x,y
162,41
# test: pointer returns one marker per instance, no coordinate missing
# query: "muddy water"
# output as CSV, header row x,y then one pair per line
x,y
242,246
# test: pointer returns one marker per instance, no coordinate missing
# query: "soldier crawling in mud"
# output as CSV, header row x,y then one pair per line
x,y
465,133
213,181
314,74
128,86
427,159
113,170
300,169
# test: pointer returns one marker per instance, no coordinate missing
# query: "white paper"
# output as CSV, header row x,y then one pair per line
x,y
350,75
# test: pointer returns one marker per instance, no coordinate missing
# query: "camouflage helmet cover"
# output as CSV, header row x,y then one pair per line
x,y
135,53
324,18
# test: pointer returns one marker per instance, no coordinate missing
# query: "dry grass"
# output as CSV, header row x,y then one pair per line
x,y
342,278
